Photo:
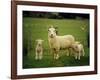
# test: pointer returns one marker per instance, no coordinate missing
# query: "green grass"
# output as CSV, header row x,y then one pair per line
x,y
34,28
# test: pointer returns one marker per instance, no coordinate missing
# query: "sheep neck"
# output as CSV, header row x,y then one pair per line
x,y
53,40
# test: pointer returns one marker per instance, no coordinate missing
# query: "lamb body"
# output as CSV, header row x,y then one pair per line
x,y
39,49
78,49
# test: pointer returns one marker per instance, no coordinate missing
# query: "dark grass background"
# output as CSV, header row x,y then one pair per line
x,y
36,26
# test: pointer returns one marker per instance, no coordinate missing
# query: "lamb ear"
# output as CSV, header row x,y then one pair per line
x,y
42,40
36,40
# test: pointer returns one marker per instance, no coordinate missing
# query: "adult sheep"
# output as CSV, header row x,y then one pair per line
x,y
59,42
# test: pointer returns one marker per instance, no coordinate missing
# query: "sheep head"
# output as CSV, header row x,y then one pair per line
x,y
52,31
39,42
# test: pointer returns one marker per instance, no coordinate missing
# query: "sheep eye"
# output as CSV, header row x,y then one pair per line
x,y
48,30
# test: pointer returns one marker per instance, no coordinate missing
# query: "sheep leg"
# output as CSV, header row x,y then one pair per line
x,y
75,55
53,52
40,56
72,52
79,54
36,56
83,52
56,55
68,52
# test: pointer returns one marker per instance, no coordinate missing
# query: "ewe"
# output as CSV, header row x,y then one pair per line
x,y
59,42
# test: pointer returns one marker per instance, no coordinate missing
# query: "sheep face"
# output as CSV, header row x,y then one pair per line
x,y
75,46
39,42
52,32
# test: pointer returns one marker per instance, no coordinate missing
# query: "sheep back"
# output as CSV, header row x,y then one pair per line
x,y
62,41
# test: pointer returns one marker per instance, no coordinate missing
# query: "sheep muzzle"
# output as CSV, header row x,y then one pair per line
x,y
51,36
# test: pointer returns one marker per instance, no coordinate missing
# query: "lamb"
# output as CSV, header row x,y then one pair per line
x,y
59,42
78,49
39,49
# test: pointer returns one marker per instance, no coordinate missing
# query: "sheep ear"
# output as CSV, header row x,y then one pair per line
x,y
42,40
51,26
56,27
56,32
36,40
77,42
48,27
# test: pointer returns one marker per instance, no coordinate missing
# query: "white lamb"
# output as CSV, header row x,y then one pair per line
x,y
39,49
78,49
59,42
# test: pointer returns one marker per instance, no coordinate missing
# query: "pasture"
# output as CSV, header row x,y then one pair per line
x,y
35,28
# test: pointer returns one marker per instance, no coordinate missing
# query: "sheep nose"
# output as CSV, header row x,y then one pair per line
x,y
51,35
39,44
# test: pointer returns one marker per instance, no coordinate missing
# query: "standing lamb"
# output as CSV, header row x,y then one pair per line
x,y
39,49
78,49
58,42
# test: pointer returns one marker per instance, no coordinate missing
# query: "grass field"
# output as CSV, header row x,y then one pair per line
x,y
34,28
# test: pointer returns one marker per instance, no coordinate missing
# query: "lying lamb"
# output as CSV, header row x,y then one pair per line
x,y
78,49
58,42
39,49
